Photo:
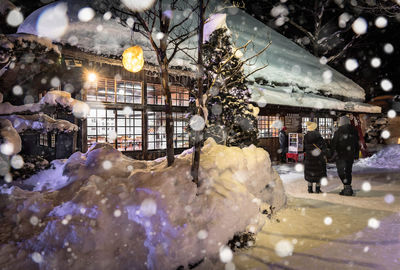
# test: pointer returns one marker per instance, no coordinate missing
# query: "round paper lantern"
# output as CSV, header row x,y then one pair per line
x,y
132,59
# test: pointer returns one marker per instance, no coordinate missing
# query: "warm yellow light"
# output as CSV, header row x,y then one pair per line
x,y
132,59
92,77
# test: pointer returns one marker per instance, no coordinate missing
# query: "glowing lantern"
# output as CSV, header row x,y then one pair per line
x,y
132,59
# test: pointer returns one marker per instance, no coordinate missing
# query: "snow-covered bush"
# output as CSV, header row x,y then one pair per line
x,y
113,212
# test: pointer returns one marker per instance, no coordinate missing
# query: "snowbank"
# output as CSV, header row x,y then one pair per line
x,y
40,122
387,158
10,138
117,212
52,98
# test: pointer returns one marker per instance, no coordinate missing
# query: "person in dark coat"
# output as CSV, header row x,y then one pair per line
x,y
315,159
283,143
346,148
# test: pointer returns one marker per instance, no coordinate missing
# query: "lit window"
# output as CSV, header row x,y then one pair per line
x,y
154,95
156,131
325,126
124,131
265,123
179,96
109,90
129,131
304,120
43,139
53,140
181,136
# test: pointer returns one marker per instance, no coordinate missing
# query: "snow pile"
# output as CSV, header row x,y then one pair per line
x,y
387,158
40,122
9,138
51,179
55,97
117,212
52,98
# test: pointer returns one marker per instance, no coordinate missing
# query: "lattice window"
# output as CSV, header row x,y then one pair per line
x,y
325,126
43,139
123,131
265,126
154,94
181,136
156,130
179,95
129,131
304,120
110,90
101,126
53,140
129,92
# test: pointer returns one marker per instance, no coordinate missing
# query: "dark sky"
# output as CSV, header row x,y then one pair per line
x,y
364,48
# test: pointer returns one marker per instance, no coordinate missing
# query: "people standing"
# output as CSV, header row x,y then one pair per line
x,y
346,148
315,157
283,143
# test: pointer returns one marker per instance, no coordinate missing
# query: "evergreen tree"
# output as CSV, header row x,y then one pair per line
x,y
231,118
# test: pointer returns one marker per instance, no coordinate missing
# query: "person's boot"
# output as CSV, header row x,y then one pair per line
x,y
347,191
318,189
310,189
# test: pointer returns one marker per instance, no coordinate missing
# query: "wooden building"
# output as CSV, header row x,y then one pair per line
x,y
127,109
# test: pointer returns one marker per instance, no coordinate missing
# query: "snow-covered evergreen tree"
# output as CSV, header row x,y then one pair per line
x,y
232,120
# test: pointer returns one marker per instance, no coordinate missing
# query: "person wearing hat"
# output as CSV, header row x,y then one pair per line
x,y
283,143
346,148
315,159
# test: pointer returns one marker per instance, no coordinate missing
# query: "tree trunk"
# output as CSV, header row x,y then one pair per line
x,y
169,129
198,140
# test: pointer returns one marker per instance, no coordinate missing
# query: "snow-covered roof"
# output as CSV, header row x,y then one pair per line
x,y
286,96
288,64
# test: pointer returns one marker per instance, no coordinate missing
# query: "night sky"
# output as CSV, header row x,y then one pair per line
x,y
364,48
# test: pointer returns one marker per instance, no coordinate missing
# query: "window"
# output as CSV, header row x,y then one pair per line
x,y
179,95
112,125
53,140
129,131
156,130
43,139
154,94
304,120
265,126
129,92
181,136
100,126
109,90
325,126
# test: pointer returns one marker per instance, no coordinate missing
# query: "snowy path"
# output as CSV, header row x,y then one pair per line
x,y
348,242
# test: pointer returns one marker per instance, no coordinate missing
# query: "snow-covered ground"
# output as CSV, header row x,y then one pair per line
x,y
103,210
109,211
329,231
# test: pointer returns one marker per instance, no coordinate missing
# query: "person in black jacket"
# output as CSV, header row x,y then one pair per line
x,y
346,148
315,159
283,143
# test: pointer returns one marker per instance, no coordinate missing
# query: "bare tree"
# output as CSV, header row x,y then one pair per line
x,y
172,32
324,27
198,139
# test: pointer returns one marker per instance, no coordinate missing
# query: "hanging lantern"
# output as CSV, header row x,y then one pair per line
x,y
132,59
